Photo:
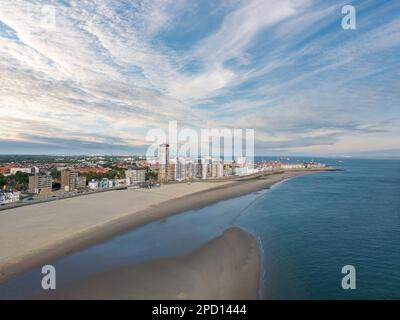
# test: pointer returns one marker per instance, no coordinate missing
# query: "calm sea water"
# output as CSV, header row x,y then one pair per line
x,y
309,227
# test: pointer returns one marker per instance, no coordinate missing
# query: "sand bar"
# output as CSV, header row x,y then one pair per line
x,y
227,267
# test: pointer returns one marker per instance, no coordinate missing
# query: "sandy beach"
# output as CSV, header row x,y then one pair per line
x,y
33,235
227,267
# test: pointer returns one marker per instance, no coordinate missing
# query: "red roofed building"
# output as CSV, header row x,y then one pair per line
x,y
6,169
95,170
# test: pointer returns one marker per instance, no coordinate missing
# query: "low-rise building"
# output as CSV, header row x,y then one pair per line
x,y
289,166
9,197
104,183
111,183
4,170
93,184
94,170
228,171
24,170
120,182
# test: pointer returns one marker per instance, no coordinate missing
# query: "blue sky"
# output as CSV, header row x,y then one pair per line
x,y
95,76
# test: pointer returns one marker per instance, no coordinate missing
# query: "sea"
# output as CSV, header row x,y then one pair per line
x,y
308,228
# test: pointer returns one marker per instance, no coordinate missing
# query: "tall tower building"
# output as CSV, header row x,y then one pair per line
x,y
163,159
171,172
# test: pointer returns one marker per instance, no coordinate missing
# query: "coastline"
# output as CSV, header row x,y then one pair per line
x,y
33,253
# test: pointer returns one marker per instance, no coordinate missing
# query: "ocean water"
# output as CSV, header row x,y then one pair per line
x,y
308,227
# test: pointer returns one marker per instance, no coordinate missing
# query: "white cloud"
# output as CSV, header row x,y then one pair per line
x,y
241,27
104,76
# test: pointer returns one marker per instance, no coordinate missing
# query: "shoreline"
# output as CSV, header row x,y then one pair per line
x,y
100,232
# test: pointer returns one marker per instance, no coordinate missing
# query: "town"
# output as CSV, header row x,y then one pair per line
x,y
31,179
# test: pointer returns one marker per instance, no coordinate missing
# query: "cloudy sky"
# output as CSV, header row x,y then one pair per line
x,y
93,76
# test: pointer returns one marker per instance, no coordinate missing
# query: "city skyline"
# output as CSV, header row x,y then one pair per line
x,y
98,76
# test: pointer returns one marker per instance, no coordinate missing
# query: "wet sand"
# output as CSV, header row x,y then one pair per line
x,y
33,235
227,267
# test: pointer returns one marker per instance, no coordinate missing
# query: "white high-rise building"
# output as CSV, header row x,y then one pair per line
x,y
163,154
190,170
217,169
180,170
204,170
220,169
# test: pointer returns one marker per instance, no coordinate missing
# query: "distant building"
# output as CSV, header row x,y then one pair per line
x,y
221,171
120,182
163,159
228,171
135,175
104,183
204,170
24,170
293,166
180,170
170,172
190,170
62,168
93,184
241,161
40,183
198,169
217,169
81,182
70,180
237,170
4,170
94,170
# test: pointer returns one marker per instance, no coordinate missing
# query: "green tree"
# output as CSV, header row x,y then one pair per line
x,y
150,174
17,181
55,174
3,181
21,177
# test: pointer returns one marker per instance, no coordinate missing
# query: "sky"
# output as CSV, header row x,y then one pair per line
x,y
94,76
